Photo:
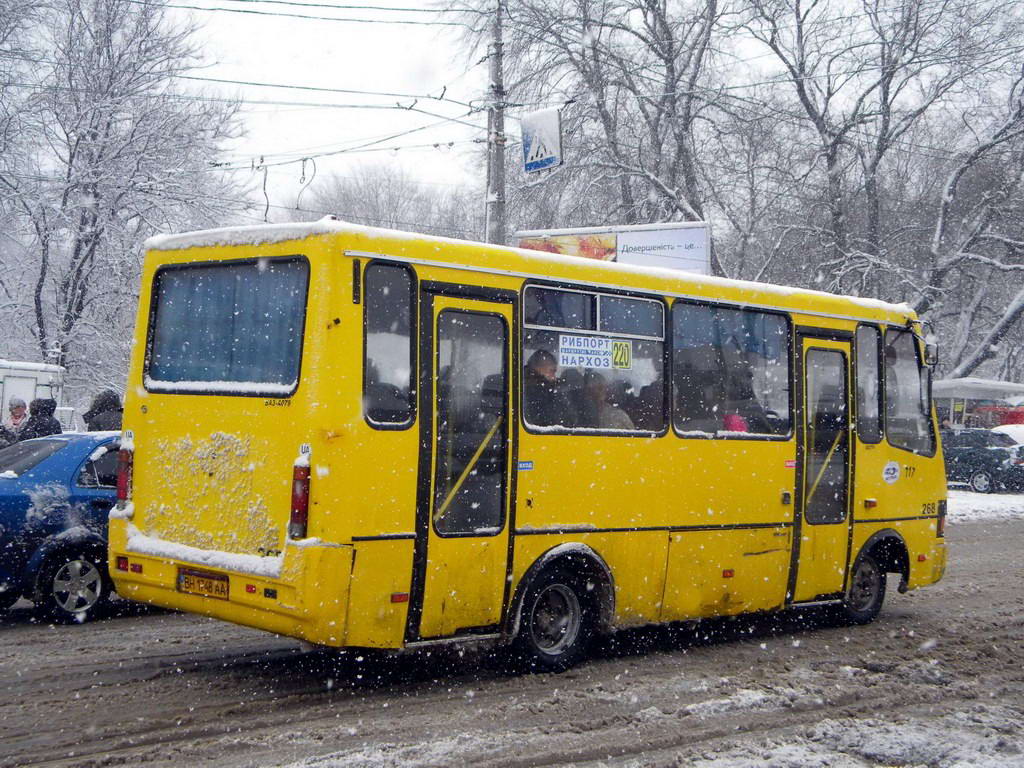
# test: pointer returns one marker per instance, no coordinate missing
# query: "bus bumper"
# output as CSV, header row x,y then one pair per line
x,y
926,567
938,560
271,604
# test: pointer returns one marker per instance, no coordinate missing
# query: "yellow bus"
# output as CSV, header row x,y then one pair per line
x,y
373,439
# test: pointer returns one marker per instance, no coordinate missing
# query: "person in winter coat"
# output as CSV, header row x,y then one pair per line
x,y
7,436
543,394
17,417
40,420
105,412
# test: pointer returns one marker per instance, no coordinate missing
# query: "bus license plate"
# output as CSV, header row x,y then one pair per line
x,y
203,583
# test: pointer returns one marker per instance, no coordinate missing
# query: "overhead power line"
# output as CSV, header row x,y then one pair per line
x,y
336,6
366,146
300,15
287,86
319,89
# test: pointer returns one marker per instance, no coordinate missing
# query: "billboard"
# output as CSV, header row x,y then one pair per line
x,y
681,245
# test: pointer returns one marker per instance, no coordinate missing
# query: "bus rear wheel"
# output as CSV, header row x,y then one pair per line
x,y
557,622
866,592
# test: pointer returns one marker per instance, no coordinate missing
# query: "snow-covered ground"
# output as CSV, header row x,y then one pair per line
x,y
966,506
935,682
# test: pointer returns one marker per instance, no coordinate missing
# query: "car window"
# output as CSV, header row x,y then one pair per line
x,y
952,439
100,471
21,457
966,439
1001,440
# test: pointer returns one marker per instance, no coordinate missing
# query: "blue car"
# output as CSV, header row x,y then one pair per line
x,y
55,493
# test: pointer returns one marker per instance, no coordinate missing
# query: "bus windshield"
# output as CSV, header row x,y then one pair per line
x,y
228,328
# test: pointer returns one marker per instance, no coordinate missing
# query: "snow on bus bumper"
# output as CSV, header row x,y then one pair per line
x,y
261,592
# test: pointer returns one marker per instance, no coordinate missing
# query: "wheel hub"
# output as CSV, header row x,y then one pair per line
x,y
864,587
76,586
556,619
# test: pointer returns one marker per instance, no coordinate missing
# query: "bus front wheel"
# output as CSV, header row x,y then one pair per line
x,y
866,592
556,623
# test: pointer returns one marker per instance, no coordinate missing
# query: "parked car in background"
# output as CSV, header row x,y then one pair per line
x,y
55,493
1016,431
985,460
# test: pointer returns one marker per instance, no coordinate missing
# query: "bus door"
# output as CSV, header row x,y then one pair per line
x,y
462,546
823,520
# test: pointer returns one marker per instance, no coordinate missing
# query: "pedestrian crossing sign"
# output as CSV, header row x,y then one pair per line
x,y
542,140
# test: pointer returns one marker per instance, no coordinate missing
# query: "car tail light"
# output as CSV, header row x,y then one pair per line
x,y
125,460
300,502
940,526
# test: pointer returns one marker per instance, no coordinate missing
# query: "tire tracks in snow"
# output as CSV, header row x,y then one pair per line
x,y
167,690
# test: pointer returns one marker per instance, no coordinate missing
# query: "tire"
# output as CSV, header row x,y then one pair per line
x,y
556,623
866,592
72,586
982,482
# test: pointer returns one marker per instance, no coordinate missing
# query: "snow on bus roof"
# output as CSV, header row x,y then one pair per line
x,y
264,234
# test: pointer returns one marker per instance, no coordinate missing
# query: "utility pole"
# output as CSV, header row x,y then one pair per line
x,y
496,139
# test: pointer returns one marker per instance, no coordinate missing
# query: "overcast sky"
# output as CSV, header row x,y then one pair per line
x,y
384,57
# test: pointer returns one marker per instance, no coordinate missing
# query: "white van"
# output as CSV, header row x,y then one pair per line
x,y
30,381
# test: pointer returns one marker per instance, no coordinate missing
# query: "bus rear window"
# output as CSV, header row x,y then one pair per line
x,y
231,328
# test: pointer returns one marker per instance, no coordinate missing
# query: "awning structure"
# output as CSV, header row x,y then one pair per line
x,y
979,389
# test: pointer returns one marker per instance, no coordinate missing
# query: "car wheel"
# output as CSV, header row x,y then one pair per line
x,y
982,482
71,586
866,592
556,623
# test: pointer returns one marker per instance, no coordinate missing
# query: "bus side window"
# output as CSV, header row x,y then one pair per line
x,y
731,371
611,379
869,385
388,396
908,422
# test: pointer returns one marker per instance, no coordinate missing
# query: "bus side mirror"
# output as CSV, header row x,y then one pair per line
x,y
931,348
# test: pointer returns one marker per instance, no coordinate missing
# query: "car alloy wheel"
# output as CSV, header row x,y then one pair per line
x,y
981,482
77,586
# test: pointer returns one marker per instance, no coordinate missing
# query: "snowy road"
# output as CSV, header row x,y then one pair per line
x,y
938,680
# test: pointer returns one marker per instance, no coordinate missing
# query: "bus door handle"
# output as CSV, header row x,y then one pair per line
x,y
787,498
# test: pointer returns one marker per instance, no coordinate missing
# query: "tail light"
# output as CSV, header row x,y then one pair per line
x,y
125,458
300,502
940,524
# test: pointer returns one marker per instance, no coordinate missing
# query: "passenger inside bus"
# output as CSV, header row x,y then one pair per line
x,y
599,411
544,395
730,371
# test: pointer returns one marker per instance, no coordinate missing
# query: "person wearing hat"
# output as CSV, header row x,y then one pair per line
x,y
105,413
40,420
17,415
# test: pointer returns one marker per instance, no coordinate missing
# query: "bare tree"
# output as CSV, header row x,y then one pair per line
x,y
386,195
637,73
863,79
109,150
